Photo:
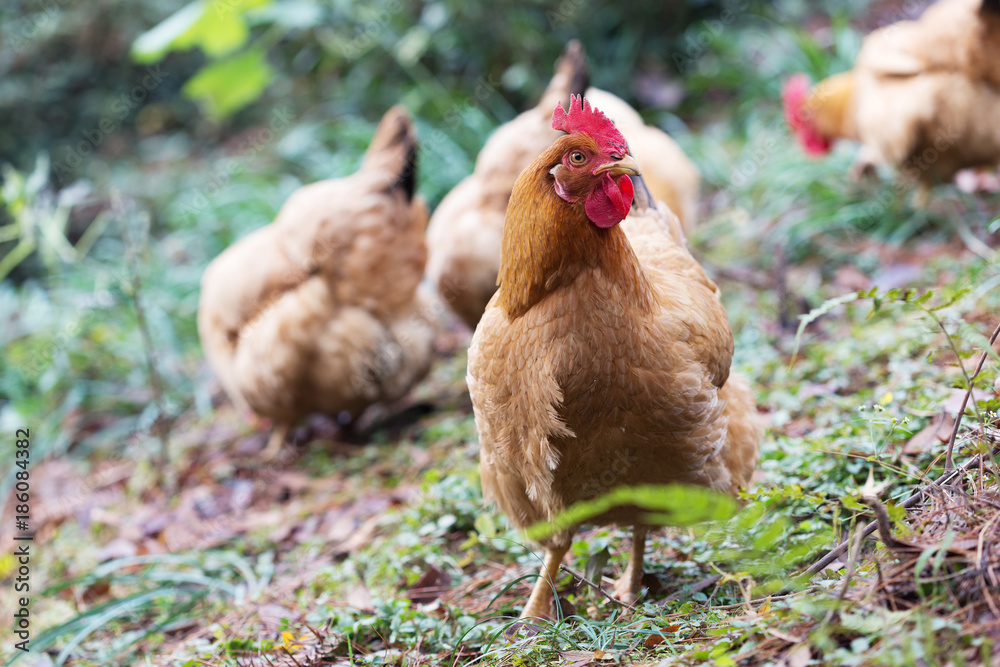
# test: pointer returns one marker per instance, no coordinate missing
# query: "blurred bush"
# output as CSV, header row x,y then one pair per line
x,y
65,67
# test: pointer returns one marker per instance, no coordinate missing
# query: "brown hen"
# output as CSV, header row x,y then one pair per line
x,y
605,349
923,96
319,311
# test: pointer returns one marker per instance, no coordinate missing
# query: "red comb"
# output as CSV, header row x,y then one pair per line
x,y
584,118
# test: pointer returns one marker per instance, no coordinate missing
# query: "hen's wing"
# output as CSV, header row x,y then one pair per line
x,y
682,287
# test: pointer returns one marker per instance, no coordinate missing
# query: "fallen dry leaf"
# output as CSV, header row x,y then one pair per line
x,y
954,402
931,437
430,586
117,548
798,656
361,599
790,638
582,658
577,661
361,537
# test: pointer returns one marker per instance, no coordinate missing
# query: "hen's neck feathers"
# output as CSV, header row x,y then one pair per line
x,y
548,242
831,102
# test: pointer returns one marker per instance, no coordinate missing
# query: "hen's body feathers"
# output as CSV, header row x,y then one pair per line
x,y
590,388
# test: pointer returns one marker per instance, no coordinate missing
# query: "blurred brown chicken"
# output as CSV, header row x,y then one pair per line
x,y
319,311
924,96
603,360
465,232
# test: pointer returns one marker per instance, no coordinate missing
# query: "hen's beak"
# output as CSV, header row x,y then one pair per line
x,y
626,165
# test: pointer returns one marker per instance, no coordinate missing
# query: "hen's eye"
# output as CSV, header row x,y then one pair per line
x,y
576,157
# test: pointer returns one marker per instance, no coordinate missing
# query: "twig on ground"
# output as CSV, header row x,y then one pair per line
x,y
696,587
852,561
946,478
291,657
948,462
161,425
883,524
598,588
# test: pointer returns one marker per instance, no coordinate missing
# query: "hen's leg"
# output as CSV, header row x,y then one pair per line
x,y
627,588
922,195
275,442
540,603
865,165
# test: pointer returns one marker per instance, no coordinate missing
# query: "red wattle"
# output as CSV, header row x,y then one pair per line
x,y
794,96
608,204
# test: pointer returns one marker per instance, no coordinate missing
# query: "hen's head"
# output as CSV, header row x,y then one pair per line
x,y
595,164
795,99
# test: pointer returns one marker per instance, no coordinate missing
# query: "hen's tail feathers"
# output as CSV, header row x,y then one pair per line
x,y
571,78
642,199
991,7
394,150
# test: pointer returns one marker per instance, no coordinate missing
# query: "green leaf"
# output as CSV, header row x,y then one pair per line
x,y
852,503
153,44
485,526
895,511
675,504
231,84
969,334
596,564
215,26
771,534
818,312
952,300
